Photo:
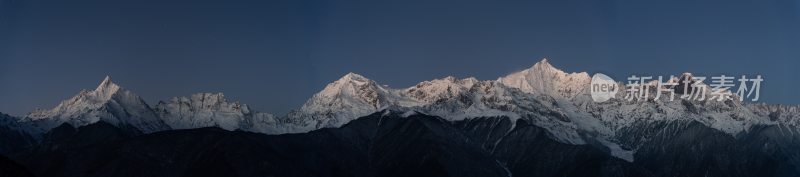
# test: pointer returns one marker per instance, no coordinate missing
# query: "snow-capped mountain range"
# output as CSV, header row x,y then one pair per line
x,y
108,102
212,110
544,95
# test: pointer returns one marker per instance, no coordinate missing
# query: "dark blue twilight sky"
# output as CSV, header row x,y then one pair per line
x,y
274,54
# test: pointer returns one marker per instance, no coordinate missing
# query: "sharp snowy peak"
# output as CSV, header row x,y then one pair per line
x,y
543,78
543,95
350,97
108,102
212,110
354,96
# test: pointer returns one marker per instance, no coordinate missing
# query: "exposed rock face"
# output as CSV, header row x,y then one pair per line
x,y
212,110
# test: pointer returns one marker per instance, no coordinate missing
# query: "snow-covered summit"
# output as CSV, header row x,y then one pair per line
x,y
86,99
108,102
440,89
347,98
211,110
106,88
543,78
541,95
354,96
364,91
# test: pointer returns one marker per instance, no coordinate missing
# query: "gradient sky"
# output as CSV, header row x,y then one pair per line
x,y
274,54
